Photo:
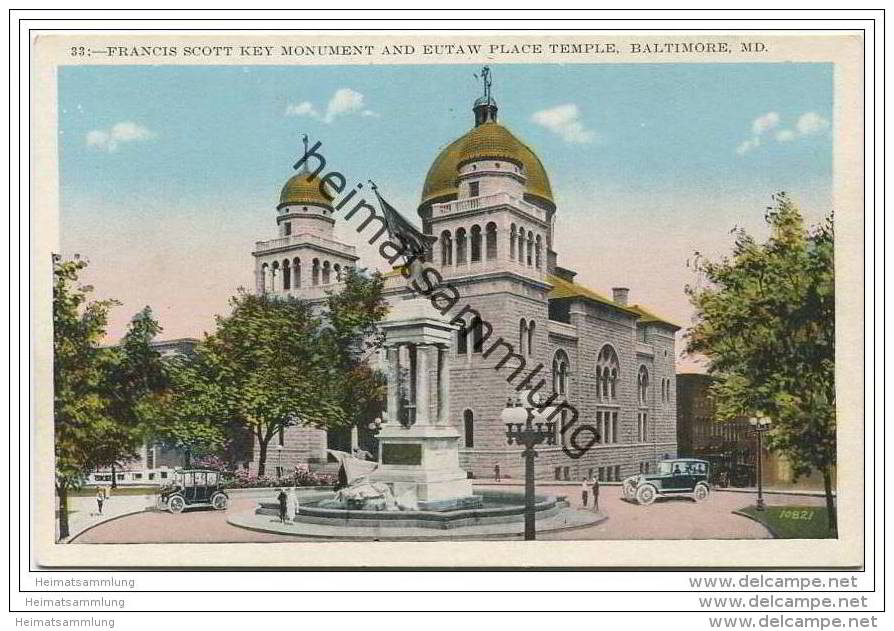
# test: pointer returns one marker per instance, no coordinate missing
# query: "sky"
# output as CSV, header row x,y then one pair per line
x,y
168,175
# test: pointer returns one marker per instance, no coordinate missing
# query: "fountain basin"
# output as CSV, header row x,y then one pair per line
x,y
496,507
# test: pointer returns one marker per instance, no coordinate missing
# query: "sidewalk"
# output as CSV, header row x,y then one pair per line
x,y
83,513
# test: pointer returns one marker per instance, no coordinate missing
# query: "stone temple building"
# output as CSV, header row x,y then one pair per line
x,y
488,202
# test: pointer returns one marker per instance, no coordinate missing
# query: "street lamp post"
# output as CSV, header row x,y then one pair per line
x,y
521,429
760,425
279,471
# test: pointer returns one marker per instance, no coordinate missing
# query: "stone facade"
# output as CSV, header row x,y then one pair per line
x,y
493,219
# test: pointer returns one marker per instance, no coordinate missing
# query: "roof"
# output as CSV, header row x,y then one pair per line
x,y
647,316
566,289
488,140
299,190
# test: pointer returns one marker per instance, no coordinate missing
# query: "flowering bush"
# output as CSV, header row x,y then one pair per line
x,y
243,479
215,463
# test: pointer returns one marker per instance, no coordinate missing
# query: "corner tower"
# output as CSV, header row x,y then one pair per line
x,y
305,259
488,201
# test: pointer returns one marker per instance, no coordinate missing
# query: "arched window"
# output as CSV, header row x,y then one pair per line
x,y
446,248
607,372
477,326
521,245
522,336
265,277
530,259
642,381
274,273
337,269
475,253
512,242
462,339
491,241
326,270
538,248
469,428
461,246
296,273
315,273
560,373
531,326
286,275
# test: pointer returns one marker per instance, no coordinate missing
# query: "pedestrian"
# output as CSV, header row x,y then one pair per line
x,y
595,487
290,503
100,498
281,498
497,472
295,503
584,491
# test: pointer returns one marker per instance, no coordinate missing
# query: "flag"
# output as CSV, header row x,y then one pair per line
x,y
413,243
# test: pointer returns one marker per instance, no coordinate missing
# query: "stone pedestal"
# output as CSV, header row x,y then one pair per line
x,y
418,448
424,459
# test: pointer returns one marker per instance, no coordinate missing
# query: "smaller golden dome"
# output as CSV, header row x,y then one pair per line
x,y
298,190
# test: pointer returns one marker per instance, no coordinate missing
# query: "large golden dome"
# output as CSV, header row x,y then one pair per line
x,y
299,191
487,140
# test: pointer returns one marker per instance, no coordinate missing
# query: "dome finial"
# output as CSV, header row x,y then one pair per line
x,y
485,76
304,168
485,107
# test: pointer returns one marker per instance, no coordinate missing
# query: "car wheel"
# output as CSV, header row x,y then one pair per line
x,y
701,492
219,501
645,494
176,504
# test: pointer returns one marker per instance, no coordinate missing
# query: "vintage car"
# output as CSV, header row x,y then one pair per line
x,y
193,487
682,476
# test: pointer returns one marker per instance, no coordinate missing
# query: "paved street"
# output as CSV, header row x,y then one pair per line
x,y
84,513
676,518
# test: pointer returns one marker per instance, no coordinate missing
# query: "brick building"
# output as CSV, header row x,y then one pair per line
x,y
729,445
487,200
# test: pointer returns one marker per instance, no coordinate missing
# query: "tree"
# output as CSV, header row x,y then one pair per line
x,y
273,363
100,393
136,379
187,414
352,335
766,322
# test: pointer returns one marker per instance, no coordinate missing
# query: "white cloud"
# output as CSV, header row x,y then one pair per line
x,y
344,101
764,123
747,145
109,139
808,124
785,135
305,108
564,120
811,123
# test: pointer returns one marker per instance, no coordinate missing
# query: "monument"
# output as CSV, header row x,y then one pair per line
x,y
418,448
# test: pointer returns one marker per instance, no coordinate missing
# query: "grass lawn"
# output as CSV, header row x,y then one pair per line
x,y
793,522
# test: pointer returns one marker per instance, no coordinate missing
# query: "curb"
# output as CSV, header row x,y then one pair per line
x,y
773,533
71,537
237,522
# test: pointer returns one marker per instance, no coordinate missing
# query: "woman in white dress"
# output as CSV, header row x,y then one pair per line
x,y
293,502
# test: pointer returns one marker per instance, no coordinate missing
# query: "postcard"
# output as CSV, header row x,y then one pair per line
x,y
411,299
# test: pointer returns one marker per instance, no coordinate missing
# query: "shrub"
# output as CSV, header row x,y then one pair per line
x,y
243,479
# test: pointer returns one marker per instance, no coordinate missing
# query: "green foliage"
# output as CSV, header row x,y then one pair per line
x,y
273,363
100,393
766,322
86,433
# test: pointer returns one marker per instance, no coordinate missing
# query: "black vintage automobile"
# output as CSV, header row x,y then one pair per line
x,y
682,476
193,487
